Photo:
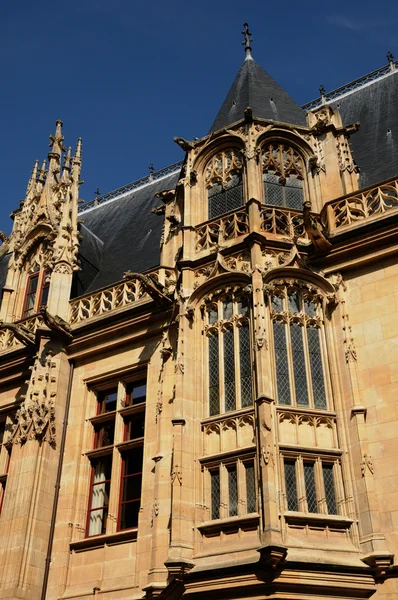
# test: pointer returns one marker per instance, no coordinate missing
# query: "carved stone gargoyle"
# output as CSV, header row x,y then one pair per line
x,y
56,324
156,290
21,333
315,230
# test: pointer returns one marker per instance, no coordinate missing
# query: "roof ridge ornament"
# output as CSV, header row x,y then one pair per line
x,y
248,39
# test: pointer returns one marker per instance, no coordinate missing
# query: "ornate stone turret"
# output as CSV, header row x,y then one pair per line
x,y
45,234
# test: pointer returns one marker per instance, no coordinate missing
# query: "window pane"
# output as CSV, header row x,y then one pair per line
x,y
232,491
282,370
234,193
135,426
310,308
97,522
214,395
277,304
291,484
213,316
330,492
294,303
317,376
32,284
44,296
215,494
133,461
102,469
129,515
245,366
294,193
273,191
309,478
100,495
2,430
300,378
243,306
250,488
105,434
107,401
227,309
229,370
217,202
136,393
132,487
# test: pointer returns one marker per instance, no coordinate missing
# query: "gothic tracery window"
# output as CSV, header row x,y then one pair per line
x,y
297,318
223,178
283,175
229,354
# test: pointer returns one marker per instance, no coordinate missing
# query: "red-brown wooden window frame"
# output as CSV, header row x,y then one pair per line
x,y
42,287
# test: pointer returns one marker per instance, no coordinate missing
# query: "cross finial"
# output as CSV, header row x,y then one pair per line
x,y
322,92
151,169
247,35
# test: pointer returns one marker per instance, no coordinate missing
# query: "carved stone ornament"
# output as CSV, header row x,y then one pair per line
x,y
367,463
35,419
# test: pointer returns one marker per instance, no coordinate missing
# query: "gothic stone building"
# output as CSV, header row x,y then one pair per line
x,y
199,370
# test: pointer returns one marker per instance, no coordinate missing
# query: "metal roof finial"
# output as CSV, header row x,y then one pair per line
x,y
322,92
390,58
150,176
248,39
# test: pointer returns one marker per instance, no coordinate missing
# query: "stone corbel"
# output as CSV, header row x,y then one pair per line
x,y
379,561
315,230
156,291
272,556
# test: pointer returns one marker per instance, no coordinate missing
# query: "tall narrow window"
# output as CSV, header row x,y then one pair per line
x,y
132,455
300,365
101,482
283,175
215,494
36,292
223,178
229,354
330,491
250,488
232,491
291,485
310,490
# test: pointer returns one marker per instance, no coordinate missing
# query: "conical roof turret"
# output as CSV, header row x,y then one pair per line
x,y
255,88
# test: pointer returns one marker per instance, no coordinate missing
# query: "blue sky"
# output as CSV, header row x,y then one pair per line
x,y
128,76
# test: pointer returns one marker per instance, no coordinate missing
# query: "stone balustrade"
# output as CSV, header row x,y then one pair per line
x,y
282,221
225,228
361,205
9,341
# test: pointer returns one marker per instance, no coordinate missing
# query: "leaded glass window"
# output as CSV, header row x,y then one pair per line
x,y
316,480
300,364
223,178
232,489
230,382
283,175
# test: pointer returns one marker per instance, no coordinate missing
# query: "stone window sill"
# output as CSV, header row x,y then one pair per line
x,y
230,524
317,520
99,541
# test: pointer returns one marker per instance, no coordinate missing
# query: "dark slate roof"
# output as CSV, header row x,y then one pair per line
x,y
121,234
255,88
375,145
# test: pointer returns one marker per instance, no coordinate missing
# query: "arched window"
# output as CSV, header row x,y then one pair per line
x,y
297,318
283,176
229,354
223,178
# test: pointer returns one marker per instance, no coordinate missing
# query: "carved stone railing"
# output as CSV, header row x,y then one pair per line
x,y
105,300
225,228
7,337
362,205
282,221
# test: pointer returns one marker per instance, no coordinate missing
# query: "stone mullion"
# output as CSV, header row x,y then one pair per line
x,y
301,490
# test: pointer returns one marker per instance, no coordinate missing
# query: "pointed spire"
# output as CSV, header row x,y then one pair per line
x,y
68,159
322,92
56,141
78,153
33,177
43,171
248,39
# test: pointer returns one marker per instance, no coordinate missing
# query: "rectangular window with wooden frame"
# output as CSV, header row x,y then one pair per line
x,y
122,404
36,294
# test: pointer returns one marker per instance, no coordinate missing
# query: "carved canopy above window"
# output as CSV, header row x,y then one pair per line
x,y
282,160
222,167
